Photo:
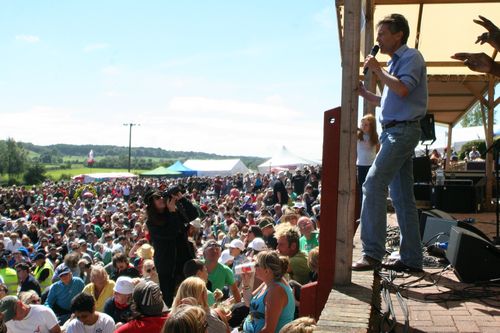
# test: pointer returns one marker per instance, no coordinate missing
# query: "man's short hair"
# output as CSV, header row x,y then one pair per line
x,y
83,302
397,23
119,257
291,233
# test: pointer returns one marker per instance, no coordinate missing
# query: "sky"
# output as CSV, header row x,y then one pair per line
x,y
222,76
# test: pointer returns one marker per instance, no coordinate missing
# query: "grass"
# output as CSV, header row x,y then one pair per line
x,y
56,174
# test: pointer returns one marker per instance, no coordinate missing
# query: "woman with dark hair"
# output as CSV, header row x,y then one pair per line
x,y
166,222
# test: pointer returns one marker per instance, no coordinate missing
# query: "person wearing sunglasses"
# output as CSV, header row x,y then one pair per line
x,y
166,225
149,270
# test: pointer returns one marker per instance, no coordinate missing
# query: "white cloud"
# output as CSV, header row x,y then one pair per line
x,y
326,17
28,38
230,108
111,70
97,46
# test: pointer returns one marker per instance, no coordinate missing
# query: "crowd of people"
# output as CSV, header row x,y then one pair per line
x,y
215,254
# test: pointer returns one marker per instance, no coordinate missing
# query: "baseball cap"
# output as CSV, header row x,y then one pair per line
x,y
265,223
148,299
237,244
225,257
64,270
124,285
8,307
258,244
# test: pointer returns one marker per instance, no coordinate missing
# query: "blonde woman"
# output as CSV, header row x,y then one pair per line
x,y
100,286
272,305
186,319
196,288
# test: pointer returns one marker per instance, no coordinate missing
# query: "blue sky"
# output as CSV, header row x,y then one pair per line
x,y
227,77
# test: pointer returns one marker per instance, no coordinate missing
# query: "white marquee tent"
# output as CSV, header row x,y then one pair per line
x,y
284,159
212,168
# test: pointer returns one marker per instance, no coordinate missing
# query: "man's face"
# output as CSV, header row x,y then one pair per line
x,y
21,274
283,246
212,252
122,298
66,278
121,265
388,42
305,227
85,317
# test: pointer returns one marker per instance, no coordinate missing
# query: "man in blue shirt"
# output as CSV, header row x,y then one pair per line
x,y
62,292
403,103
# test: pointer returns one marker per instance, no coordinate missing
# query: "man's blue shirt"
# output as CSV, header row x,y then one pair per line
x,y
408,66
62,294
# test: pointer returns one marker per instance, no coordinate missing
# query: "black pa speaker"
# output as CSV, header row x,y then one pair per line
x,y
422,170
428,128
473,258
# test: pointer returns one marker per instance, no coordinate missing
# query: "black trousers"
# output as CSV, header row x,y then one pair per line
x,y
165,262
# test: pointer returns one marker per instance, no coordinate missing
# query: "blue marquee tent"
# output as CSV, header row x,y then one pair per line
x,y
179,167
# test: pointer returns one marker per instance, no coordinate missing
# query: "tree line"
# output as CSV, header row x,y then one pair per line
x,y
15,161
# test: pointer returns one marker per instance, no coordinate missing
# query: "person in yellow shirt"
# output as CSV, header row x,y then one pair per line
x,y
100,287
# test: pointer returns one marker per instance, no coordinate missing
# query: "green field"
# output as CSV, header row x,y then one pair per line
x,y
56,174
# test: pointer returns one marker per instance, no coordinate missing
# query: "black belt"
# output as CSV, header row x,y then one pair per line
x,y
394,123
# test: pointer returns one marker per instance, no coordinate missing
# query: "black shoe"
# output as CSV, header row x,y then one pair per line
x,y
398,266
366,263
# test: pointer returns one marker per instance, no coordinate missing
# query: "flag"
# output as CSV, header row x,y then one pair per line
x,y
90,159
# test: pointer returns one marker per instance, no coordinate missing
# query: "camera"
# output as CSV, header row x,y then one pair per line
x,y
172,190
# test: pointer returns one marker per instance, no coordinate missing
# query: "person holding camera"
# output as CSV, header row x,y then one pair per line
x,y
167,219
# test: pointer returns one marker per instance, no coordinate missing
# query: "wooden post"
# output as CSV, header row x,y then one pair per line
x,y
489,142
370,79
347,143
448,149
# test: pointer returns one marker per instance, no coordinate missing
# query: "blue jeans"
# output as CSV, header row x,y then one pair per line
x,y
392,167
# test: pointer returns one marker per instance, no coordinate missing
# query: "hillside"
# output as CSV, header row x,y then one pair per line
x,y
74,154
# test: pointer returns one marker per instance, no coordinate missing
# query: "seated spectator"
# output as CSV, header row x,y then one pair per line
x,y
20,317
87,319
236,248
100,286
196,288
43,271
313,263
4,291
300,325
309,239
62,292
196,267
26,280
119,305
121,267
29,297
71,262
149,271
186,319
218,274
149,310
267,227
289,245
272,305
8,276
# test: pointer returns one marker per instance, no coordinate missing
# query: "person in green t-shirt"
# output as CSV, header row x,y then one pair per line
x,y
288,245
218,274
309,239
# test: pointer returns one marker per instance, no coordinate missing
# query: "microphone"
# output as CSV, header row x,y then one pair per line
x,y
373,52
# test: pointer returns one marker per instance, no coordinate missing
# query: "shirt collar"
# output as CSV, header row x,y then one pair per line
x,y
399,52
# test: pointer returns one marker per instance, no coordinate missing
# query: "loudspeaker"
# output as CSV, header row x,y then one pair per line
x,y
435,226
455,198
428,128
473,258
422,170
